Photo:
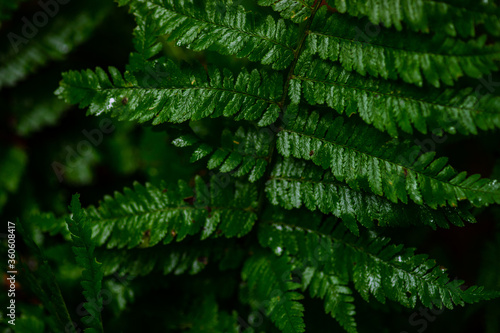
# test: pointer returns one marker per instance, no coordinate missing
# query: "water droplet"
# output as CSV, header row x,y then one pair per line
x,y
110,103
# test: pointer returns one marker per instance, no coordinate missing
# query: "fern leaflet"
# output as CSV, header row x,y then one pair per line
x,y
409,56
382,166
455,19
148,215
201,26
294,184
92,275
389,106
183,95
270,285
241,153
374,265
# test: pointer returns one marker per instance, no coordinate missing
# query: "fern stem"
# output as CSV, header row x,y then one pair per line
x,y
297,52
271,157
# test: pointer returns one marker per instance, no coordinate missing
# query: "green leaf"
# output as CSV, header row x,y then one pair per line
x,y
296,10
83,247
338,297
375,266
295,183
180,96
455,18
147,215
240,153
200,25
389,106
409,56
188,257
270,284
382,166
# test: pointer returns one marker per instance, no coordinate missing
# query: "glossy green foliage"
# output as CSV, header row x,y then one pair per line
x,y
294,183
188,257
244,152
296,10
455,19
412,57
371,262
271,286
84,247
178,96
393,106
382,166
201,26
337,295
163,214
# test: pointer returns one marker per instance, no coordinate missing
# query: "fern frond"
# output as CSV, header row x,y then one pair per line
x,y
270,284
188,257
183,95
375,266
146,215
244,152
409,56
83,247
460,18
383,166
200,25
296,10
339,302
389,106
294,183
53,43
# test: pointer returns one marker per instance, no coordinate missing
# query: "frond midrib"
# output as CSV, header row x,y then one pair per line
x,y
181,88
222,26
476,111
166,209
